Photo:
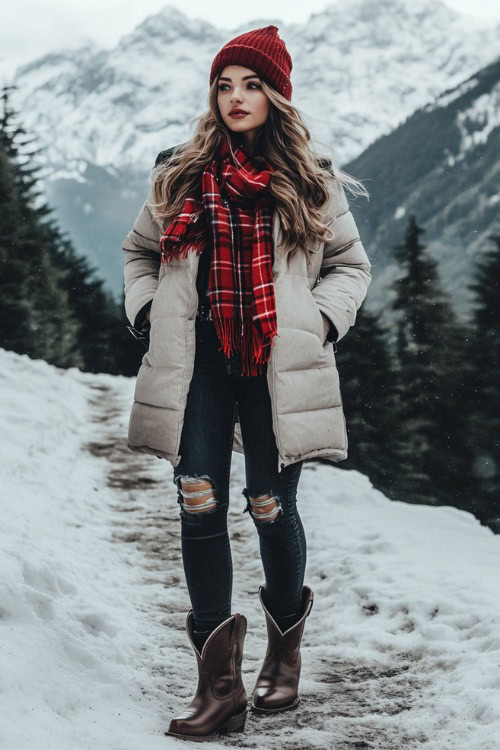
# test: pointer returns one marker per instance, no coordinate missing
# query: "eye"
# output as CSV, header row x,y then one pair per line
x,y
221,85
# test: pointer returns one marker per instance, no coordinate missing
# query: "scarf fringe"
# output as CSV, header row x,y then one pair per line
x,y
181,250
253,357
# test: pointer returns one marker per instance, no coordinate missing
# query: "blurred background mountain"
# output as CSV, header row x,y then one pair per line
x,y
402,95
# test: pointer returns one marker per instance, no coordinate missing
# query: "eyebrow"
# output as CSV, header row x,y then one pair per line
x,y
254,75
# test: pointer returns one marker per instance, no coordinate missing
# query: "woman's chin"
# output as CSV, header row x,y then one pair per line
x,y
240,129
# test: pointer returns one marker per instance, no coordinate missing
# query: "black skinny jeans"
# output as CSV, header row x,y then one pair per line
x,y
216,390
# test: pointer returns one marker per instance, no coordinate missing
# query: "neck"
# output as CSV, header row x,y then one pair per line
x,y
249,141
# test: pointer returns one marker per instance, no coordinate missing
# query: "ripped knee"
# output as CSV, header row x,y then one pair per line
x,y
198,494
265,507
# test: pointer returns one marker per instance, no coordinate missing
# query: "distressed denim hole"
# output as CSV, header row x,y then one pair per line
x,y
196,494
264,508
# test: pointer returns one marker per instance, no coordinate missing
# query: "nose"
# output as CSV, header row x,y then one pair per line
x,y
236,95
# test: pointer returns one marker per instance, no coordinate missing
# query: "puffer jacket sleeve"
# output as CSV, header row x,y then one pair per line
x,y
141,262
345,273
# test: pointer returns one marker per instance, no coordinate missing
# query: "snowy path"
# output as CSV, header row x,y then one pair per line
x,y
402,648
360,692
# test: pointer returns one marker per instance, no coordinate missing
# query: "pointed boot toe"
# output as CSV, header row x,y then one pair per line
x,y
273,699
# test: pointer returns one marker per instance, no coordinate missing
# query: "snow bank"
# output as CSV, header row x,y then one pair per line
x,y
70,639
402,647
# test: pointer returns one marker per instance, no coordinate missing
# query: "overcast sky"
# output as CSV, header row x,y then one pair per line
x,y
30,28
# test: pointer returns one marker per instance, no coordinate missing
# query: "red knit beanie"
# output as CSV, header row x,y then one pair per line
x,y
261,50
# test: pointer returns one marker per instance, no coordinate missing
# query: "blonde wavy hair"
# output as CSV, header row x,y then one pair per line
x,y
299,182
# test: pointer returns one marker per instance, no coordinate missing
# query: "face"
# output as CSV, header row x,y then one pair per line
x,y
240,88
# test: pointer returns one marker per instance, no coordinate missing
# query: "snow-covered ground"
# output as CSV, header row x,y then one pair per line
x,y
402,648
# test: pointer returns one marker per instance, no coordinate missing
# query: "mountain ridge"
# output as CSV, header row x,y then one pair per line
x,y
122,105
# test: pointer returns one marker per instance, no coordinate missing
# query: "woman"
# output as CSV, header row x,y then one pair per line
x,y
246,263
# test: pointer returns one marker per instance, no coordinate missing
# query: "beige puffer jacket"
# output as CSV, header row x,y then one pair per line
x,y
308,418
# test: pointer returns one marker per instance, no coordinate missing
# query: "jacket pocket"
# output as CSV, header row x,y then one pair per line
x,y
319,318
142,336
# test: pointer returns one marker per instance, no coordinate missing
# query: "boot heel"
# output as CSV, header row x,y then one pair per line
x,y
234,724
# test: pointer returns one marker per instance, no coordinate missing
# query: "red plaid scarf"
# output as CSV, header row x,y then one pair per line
x,y
235,214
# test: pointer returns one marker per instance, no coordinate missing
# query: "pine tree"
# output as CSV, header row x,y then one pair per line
x,y
37,316
102,339
369,388
429,349
15,305
483,394
52,304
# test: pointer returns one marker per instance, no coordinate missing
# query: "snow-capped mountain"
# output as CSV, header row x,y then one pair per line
x,y
360,68
442,165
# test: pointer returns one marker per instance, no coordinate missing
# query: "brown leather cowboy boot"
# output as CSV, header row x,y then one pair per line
x,y
277,685
221,702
